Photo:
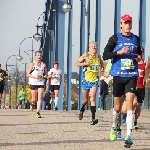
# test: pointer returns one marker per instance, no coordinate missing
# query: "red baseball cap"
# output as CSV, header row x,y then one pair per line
x,y
126,17
56,63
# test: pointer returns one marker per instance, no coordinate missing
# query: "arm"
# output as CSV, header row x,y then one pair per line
x,y
50,74
80,61
109,49
29,71
5,75
108,68
101,63
45,71
148,63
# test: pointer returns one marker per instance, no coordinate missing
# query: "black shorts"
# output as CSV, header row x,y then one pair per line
x,y
1,88
35,87
54,87
123,85
140,93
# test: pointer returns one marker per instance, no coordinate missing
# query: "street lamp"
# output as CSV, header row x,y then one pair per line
x,y
28,55
19,57
66,7
16,75
37,36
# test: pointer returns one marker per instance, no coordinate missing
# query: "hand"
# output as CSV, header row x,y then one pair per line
x,y
45,76
87,63
1,75
124,50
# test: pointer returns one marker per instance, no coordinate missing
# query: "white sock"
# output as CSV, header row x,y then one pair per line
x,y
134,115
129,121
56,101
115,119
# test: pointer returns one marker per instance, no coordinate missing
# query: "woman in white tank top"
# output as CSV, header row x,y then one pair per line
x,y
37,72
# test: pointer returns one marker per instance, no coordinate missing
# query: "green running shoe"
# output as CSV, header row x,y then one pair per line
x,y
113,134
135,126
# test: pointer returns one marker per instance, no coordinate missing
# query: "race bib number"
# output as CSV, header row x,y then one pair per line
x,y
127,64
94,68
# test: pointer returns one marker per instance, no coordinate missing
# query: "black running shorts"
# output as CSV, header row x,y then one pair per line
x,y
140,93
1,88
123,85
35,87
54,87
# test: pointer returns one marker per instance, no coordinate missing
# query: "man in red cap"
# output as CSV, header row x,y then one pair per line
x,y
124,49
55,77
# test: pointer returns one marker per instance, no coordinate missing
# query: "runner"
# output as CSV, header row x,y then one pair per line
x,y
91,62
3,77
55,77
123,47
140,92
37,72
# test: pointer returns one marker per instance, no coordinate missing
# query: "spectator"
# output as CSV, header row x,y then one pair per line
x,y
46,99
103,92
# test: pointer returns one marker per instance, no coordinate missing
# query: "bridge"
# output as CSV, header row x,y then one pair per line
x,y
58,35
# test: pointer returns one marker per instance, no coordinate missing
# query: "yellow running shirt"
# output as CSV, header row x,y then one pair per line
x,y
91,72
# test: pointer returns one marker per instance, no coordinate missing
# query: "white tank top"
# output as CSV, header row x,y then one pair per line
x,y
37,71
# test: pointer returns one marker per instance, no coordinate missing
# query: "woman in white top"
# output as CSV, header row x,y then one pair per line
x,y
55,79
37,72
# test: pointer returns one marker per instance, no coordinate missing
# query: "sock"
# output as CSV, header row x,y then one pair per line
x,y
56,101
129,122
93,110
82,108
133,115
115,119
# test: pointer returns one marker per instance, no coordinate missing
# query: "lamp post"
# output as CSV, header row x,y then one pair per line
x,y
25,70
19,57
37,36
67,8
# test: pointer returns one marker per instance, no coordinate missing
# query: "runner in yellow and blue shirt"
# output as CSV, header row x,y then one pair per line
x,y
90,61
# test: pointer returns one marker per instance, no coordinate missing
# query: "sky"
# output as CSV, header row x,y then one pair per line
x,y
18,21
19,18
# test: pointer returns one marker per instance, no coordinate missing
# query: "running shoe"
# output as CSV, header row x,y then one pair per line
x,y
55,108
95,121
118,134
113,134
135,126
128,141
31,107
38,115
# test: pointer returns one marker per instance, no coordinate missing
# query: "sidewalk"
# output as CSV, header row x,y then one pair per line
x,y
21,130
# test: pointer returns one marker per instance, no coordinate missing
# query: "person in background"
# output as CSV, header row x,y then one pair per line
x,y
103,92
46,99
21,97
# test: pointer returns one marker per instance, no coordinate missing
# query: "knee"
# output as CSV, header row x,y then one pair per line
x,y
56,95
92,98
117,108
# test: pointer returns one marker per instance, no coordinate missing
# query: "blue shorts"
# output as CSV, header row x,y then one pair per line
x,y
86,85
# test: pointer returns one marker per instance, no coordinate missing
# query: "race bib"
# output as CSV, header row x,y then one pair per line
x,y
94,68
127,64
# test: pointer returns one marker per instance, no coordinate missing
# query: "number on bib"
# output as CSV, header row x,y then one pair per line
x,y
127,64
94,68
